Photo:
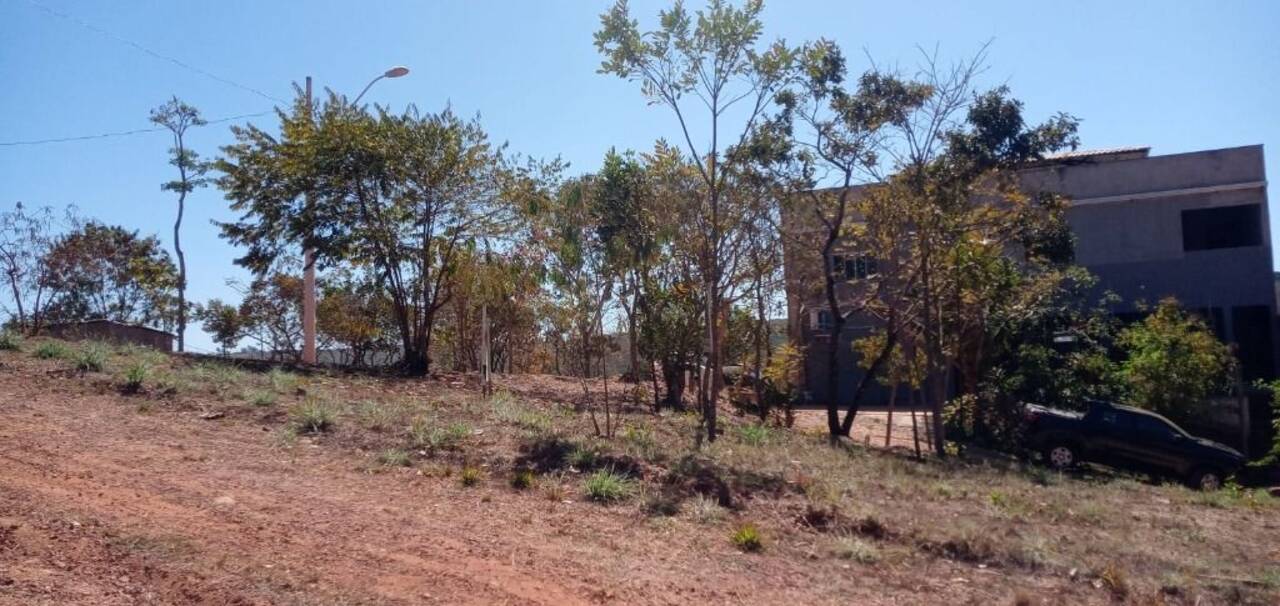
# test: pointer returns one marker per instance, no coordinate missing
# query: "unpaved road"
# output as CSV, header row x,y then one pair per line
x,y
102,504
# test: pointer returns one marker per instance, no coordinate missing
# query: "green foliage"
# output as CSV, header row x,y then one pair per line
x,y
223,322
509,410
135,376
754,435
1273,457
582,457
1174,362
91,357
605,486
51,350
313,416
10,341
282,381
747,538
99,271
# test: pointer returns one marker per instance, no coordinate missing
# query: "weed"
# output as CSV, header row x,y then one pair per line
x,y
707,509
507,409
659,503
605,486
552,489
856,549
640,442
313,417
51,350
10,341
522,479
378,416
92,357
394,457
747,538
470,476
262,398
134,376
754,435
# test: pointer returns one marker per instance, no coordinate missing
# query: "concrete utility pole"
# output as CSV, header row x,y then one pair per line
x,y
309,254
309,281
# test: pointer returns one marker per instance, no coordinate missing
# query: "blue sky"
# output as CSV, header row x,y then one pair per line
x,y
1175,75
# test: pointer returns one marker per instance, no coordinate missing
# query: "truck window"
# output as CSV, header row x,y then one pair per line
x,y
1154,429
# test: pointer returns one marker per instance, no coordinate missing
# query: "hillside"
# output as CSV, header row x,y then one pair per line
x,y
206,484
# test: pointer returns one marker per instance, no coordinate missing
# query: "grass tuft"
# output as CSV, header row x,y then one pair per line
x,y
394,457
135,376
856,549
92,357
754,435
470,476
747,538
50,350
522,479
605,486
10,341
426,436
313,417
263,398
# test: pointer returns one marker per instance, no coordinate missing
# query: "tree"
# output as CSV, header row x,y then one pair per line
x,y
354,313
108,272
25,239
713,62
271,312
1173,362
400,193
177,116
223,322
829,138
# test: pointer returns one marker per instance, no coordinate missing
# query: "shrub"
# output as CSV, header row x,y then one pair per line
x,y
91,358
10,341
754,435
640,442
605,486
134,376
394,457
508,410
1174,362
51,350
470,476
313,417
747,538
522,479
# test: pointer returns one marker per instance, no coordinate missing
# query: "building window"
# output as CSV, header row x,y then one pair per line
x,y
857,267
822,320
1221,227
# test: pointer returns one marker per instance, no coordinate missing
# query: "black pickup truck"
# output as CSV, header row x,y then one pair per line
x,y
1131,438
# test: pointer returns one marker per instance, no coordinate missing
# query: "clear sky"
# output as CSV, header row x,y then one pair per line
x,y
1174,74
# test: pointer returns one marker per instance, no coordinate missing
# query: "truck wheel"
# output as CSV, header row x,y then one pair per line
x,y
1061,455
1206,479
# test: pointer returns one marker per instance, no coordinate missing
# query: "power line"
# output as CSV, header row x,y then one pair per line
x,y
123,133
121,39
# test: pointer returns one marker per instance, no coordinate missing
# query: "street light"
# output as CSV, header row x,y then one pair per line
x,y
394,72
308,255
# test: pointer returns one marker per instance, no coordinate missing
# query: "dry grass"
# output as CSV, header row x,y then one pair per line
x,y
1126,537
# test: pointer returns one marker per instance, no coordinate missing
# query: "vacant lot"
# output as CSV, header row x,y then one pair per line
x,y
128,477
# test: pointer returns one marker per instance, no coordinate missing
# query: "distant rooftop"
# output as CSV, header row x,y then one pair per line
x,y
1102,155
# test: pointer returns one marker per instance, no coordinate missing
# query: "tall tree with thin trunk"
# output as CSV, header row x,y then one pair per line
x,y
178,117
712,62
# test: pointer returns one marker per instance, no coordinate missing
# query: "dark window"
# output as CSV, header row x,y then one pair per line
x,y
1251,329
858,267
1155,429
1221,227
824,320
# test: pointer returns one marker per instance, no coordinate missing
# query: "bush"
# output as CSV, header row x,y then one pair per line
x,y
470,476
582,457
91,358
51,350
747,538
858,550
605,486
313,417
134,376
1174,362
10,341
522,479
282,381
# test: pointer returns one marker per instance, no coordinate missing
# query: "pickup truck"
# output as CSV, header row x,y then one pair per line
x,y
1126,437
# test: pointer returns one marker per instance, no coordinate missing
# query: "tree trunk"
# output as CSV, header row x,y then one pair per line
x,y
182,272
888,426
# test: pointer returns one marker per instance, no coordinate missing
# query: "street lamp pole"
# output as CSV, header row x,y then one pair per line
x,y
309,253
